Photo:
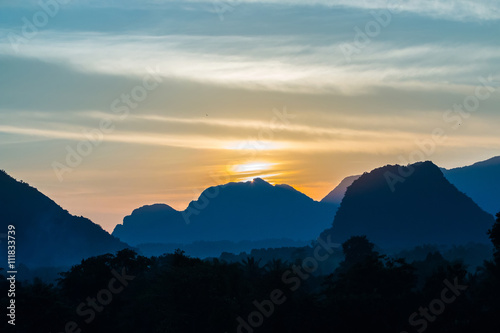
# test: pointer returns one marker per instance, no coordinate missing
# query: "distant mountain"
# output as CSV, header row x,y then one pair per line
x,y
47,235
337,194
424,208
235,212
480,181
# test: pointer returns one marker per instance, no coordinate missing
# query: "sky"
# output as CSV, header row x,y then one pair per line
x,y
106,106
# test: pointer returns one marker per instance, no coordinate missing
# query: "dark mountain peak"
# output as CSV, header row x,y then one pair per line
x,y
248,186
19,193
287,187
158,207
420,207
393,179
260,182
373,178
254,183
51,236
256,187
425,166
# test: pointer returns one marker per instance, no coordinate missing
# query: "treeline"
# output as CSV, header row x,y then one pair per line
x,y
368,292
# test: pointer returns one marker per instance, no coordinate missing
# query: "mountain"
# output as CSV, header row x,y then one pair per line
x,y
423,208
337,194
249,211
46,234
480,181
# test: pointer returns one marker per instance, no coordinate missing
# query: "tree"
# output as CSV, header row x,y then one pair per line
x,y
357,249
494,234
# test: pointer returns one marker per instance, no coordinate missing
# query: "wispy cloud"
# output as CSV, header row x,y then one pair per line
x,y
337,140
272,62
452,10
186,141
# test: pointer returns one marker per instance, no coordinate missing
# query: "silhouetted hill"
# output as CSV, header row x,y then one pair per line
x,y
480,181
424,209
46,234
250,211
337,194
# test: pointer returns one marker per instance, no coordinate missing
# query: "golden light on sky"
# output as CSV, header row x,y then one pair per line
x,y
257,169
252,167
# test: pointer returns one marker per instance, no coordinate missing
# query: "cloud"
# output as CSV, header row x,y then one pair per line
x,y
272,63
143,138
293,137
451,10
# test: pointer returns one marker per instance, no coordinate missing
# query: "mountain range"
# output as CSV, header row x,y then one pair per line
x,y
249,211
431,206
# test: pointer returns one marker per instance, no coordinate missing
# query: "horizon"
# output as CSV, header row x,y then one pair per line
x,y
106,106
112,227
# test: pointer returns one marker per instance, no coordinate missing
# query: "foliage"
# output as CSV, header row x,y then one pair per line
x,y
177,293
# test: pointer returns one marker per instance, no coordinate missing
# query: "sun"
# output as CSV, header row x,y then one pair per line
x,y
258,169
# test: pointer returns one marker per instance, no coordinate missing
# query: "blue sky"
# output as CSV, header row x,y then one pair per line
x,y
223,71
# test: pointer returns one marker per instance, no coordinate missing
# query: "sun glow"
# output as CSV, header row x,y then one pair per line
x,y
252,167
259,169
266,177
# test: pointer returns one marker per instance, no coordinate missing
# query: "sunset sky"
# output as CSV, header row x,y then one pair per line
x,y
232,90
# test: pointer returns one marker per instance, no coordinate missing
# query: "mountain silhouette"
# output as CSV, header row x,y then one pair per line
x,y
421,208
337,194
46,234
480,181
246,211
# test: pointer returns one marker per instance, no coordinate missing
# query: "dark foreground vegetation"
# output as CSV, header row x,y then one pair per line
x,y
175,293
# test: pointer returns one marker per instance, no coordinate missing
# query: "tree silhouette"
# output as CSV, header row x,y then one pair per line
x,y
178,293
357,249
494,234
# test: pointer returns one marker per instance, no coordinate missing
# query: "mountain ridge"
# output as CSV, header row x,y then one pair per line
x,y
236,211
43,230
425,208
